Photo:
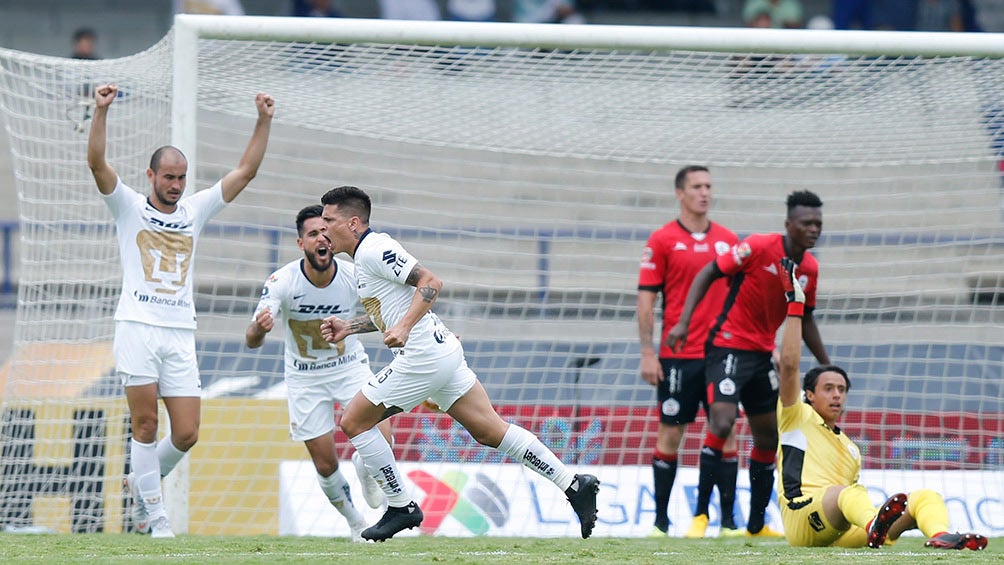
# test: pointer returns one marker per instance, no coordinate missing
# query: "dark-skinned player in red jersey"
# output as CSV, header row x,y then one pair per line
x,y
673,255
741,343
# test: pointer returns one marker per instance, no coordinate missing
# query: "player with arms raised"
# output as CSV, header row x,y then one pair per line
x,y
154,344
398,293
740,345
822,503
318,374
673,255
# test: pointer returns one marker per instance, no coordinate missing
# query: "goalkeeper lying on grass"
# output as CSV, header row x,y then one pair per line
x,y
822,503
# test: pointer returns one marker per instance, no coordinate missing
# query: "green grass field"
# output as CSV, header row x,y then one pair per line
x,y
124,548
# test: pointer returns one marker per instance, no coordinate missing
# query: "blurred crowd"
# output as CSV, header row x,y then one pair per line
x,y
898,15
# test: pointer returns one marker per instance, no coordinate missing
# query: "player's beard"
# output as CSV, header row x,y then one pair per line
x,y
319,263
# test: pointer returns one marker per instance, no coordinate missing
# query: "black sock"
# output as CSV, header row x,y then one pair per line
x,y
711,461
664,475
761,484
726,483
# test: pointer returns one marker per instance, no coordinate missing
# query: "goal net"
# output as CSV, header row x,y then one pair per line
x,y
525,165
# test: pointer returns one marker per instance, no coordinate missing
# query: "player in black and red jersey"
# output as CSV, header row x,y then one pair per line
x,y
674,254
741,343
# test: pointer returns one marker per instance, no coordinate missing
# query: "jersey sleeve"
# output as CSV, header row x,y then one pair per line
x,y
391,261
742,255
272,293
652,270
207,203
809,280
792,417
120,198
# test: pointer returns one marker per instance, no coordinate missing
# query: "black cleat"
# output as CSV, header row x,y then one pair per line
x,y
887,514
394,520
945,540
583,500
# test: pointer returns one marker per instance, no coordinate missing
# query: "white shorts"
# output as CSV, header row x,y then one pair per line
x,y
312,404
147,354
406,383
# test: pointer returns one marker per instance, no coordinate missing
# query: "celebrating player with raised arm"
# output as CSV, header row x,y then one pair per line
x,y
318,374
740,368
154,344
674,254
398,293
822,503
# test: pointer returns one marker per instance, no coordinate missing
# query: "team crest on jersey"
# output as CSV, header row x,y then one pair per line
x,y
854,451
721,248
803,280
273,278
646,260
671,407
741,252
727,387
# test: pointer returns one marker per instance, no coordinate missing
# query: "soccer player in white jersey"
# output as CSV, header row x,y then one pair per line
x,y
398,293
318,374
154,344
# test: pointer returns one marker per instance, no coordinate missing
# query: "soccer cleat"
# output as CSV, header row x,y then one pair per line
x,y
136,509
160,528
393,521
725,532
657,532
765,532
371,490
357,531
945,540
890,511
697,527
583,501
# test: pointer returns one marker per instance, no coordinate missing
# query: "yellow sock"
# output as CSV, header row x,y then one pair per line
x,y
929,510
856,505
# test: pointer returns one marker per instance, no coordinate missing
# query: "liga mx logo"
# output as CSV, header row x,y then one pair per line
x,y
476,504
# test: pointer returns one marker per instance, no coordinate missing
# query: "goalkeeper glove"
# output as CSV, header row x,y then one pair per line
x,y
792,288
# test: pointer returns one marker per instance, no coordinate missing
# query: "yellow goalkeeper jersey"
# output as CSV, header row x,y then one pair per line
x,y
811,455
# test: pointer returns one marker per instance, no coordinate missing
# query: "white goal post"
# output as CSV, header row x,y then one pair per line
x,y
526,165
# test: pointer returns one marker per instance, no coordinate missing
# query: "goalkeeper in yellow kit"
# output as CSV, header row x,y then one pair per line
x,y
822,503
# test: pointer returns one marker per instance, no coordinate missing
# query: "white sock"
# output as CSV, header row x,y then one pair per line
x,y
168,455
378,458
524,447
143,460
336,488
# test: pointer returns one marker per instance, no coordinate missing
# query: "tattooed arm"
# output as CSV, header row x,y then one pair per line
x,y
427,287
334,329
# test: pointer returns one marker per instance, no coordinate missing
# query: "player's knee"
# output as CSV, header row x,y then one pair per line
x,y
144,429
326,468
350,427
721,424
185,440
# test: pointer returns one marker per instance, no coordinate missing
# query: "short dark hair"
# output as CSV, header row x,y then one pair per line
x,y
803,198
349,198
84,33
812,377
158,155
312,211
681,175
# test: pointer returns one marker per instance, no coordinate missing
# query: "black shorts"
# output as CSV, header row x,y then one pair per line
x,y
681,392
735,375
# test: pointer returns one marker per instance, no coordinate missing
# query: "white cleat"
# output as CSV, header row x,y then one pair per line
x,y
371,490
357,532
161,528
137,510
